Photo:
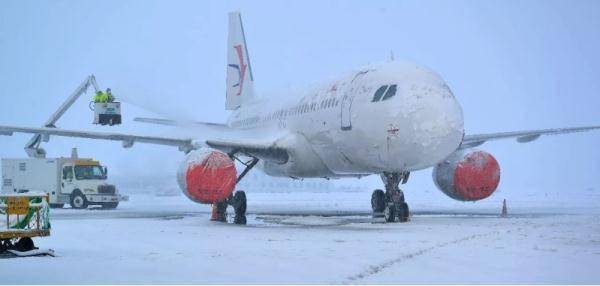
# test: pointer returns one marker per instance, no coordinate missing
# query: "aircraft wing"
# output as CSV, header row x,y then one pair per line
x,y
128,140
267,151
521,136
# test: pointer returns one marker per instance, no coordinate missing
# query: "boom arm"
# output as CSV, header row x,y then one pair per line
x,y
33,146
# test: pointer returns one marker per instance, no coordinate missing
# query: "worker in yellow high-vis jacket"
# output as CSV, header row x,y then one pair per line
x,y
100,97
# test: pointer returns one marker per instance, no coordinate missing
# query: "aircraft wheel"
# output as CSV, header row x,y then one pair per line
x,y
239,206
403,213
239,219
239,202
390,213
378,201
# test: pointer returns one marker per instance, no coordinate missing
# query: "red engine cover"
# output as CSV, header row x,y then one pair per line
x,y
468,175
477,176
207,176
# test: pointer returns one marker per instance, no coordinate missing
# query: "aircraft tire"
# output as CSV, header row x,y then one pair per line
x,y
239,202
403,213
239,206
389,213
239,219
378,201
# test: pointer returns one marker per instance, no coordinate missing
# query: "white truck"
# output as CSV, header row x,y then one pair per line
x,y
76,181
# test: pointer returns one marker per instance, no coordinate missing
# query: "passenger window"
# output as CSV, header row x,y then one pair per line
x,y
390,92
379,93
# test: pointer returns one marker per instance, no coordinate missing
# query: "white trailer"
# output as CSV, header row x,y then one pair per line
x,y
78,182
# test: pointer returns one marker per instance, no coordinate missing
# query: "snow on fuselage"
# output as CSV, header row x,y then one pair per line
x,y
387,117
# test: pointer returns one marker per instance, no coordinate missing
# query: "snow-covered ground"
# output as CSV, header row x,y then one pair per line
x,y
306,237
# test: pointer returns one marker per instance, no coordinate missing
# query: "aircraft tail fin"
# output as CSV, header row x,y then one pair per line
x,y
240,82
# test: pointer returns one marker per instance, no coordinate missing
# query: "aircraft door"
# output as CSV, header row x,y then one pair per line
x,y
346,110
350,91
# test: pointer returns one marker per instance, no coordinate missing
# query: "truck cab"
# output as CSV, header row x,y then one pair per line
x,y
85,183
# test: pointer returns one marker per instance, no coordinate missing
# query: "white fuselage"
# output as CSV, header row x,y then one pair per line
x,y
387,117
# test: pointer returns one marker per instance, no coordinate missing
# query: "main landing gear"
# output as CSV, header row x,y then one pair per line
x,y
237,200
391,204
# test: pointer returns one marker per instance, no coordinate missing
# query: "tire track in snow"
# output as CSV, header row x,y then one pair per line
x,y
374,269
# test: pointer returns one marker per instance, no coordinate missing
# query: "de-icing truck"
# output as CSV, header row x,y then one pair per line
x,y
79,182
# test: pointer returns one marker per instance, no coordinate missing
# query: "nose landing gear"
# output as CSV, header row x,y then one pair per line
x,y
391,204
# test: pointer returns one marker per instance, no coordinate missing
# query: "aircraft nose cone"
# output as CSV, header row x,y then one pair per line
x,y
434,121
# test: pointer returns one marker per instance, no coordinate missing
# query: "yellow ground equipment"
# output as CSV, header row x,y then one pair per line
x,y
23,216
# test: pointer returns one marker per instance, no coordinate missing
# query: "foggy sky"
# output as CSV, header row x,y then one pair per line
x,y
513,65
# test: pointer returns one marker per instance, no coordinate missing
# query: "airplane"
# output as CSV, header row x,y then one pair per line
x,y
388,119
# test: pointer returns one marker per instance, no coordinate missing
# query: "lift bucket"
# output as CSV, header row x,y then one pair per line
x,y
107,113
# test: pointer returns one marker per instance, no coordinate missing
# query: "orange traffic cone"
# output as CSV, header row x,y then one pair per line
x,y
215,212
504,210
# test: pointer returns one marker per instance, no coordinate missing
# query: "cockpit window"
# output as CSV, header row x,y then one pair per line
x,y
379,93
390,92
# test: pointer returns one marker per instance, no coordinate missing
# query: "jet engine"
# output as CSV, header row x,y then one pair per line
x,y
467,175
207,176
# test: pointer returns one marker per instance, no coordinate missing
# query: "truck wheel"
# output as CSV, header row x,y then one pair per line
x,y
57,206
78,200
110,205
24,244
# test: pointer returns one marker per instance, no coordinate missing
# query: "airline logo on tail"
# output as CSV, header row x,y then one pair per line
x,y
241,68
